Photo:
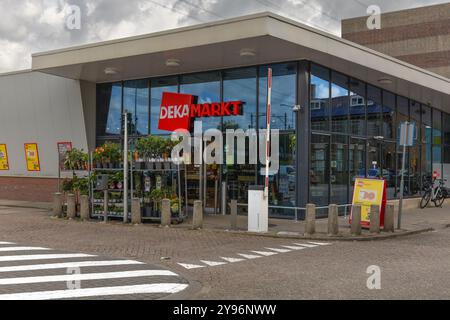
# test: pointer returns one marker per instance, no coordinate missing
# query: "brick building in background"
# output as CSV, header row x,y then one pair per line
x,y
418,36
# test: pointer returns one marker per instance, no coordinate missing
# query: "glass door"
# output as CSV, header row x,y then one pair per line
x,y
320,169
357,161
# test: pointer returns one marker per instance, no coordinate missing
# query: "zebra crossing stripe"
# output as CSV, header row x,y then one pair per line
x,y
213,263
265,253
1,243
94,292
6,249
306,245
249,256
231,260
87,276
320,243
69,265
294,247
44,257
279,250
190,266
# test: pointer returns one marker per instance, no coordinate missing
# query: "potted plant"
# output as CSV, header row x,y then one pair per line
x,y
76,160
112,154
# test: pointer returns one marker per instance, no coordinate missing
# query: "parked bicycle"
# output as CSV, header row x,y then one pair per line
x,y
434,191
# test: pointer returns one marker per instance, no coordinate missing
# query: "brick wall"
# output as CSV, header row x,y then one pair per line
x,y
28,189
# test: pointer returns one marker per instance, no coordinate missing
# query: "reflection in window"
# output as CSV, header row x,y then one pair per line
x,y
158,87
357,107
109,109
437,127
373,111
240,84
388,114
135,101
339,168
388,169
320,98
357,160
339,102
283,96
206,86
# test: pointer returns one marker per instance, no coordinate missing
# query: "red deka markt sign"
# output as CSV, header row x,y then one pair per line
x,y
178,110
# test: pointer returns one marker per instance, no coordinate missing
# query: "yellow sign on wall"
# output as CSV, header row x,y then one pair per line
x,y
4,164
369,192
32,157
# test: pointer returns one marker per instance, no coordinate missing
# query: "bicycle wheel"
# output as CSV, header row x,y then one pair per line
x,y
440,198
425,199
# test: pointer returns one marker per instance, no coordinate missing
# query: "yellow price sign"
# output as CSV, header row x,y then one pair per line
x,y
4,164
369,192
32,157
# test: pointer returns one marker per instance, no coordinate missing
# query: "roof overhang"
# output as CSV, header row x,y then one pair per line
x,y
218,45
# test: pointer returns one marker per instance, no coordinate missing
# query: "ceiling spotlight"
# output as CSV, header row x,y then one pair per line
x,y
173,63
110,71
247,52
385,81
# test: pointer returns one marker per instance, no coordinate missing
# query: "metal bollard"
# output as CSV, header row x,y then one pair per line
x,y
233,217
389,218
84,207
71,207
356,220
374,219
165,213
57,205
197,218
333,224
136,215
310,227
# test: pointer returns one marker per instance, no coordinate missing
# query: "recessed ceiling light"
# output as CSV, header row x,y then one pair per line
x,y
385,81
110,71
247,52
173,63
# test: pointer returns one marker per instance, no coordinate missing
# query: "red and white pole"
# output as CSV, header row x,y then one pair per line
x,y
268,116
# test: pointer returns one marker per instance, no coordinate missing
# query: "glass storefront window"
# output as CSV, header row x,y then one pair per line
x,y
320,98
373,111
320,169
135,101
389,172
339,169
357,161
283,96
109,109
357,107
388,115
339,102
158,87
446,128
415,115
206,86
437,127
426,125
240,84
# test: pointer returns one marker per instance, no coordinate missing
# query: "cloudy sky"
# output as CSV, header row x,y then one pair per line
x,y
28,26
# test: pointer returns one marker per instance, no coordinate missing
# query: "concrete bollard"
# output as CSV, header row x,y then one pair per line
x,y
310,227
136,215
233,216
84,207
197,218
356,220
389,218
57,204
374,219
71,207
333,224
165,213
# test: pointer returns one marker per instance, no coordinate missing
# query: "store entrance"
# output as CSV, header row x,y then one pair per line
x,y
203,184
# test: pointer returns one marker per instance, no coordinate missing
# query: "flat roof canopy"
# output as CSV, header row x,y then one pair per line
x,y
218,45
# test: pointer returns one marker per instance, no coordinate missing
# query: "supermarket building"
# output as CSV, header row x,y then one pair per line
x,y
337,105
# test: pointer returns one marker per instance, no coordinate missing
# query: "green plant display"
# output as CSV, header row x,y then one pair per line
x,y
76,160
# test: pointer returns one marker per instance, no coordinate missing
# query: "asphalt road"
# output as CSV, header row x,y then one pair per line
x,y
218,265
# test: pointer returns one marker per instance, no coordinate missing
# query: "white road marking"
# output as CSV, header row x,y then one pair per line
x,y
248,256
294,247
231,260
320,243
306,245
5,249
93,292
44,257
265,253
87,276
213,263
69,265
6,242
279,250
190,266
